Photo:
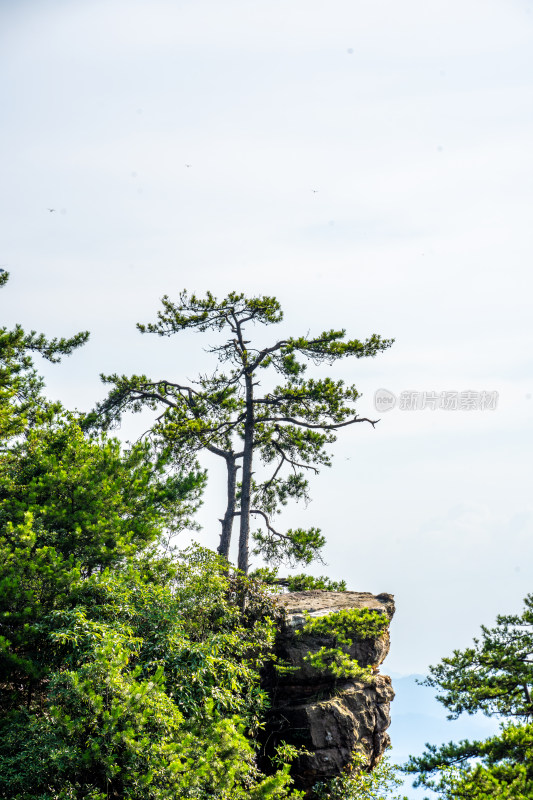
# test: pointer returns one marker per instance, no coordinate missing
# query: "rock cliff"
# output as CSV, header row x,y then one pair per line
x,y
330,716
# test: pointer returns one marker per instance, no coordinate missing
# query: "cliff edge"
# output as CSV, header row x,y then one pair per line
x,y
330,716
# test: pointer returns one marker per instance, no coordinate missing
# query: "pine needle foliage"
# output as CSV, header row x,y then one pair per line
x,y
287,429
494,676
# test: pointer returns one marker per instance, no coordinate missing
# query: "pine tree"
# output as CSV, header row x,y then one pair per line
x,y
495,677
287,428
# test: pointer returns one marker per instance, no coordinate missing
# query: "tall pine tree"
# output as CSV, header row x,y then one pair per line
x,y
286,428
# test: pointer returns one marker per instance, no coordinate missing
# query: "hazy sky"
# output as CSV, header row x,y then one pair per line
x,y
369,163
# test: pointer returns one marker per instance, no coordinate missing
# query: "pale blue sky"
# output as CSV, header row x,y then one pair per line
x,y
413,122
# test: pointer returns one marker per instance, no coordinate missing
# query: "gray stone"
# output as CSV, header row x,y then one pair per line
x,y
331,718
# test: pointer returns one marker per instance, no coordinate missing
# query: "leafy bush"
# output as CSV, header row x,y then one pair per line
x,y
344,628
303,583
357,782
297,583
147,694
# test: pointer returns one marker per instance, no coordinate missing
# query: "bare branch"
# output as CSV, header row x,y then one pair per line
x,y
267,523
291,461
319,426
273,478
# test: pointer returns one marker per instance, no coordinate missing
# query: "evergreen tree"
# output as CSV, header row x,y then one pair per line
x,y
21,399
88,497
72,506
287,428
494,676
125,671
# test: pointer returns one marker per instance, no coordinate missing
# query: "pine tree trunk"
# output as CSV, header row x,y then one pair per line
x,y
246,477
227,522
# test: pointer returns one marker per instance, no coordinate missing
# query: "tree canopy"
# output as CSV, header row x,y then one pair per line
x,y
91,498
128,669
124,672
495,677
286,428
21,386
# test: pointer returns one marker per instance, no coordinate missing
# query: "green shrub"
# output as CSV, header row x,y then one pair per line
x,y
151,693
357,782
344,628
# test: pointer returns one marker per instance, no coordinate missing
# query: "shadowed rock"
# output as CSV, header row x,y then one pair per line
x,y
330,717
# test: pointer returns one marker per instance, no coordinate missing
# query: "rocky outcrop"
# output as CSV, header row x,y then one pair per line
x,y
331,717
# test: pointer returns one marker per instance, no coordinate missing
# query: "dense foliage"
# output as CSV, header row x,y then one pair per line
x,y
88,498
359,783
146,686
124,671
494,676
127,669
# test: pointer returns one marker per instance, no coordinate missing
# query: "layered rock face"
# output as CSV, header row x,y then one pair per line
x,y
331,717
